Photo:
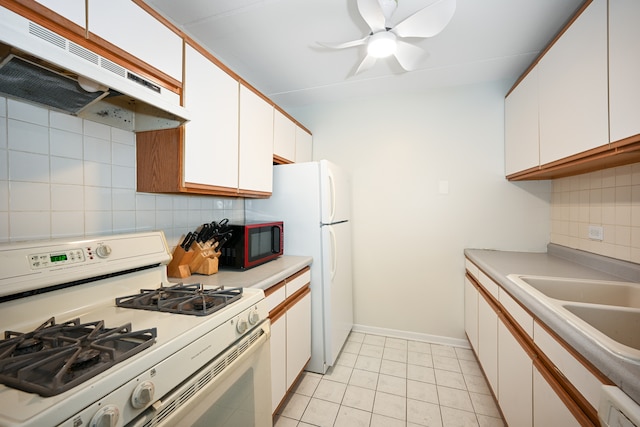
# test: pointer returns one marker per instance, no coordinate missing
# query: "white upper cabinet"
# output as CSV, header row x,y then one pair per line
x,y
624,69
284,136
256,142
304,145
521,133
131,28
573,84
73,10
211,137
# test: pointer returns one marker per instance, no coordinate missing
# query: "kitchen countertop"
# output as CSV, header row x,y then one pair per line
x,y
263,276
560,261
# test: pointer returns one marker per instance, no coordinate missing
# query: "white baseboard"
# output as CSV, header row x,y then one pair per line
x,y
414,336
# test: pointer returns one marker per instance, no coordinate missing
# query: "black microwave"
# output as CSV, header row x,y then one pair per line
x,y
252,244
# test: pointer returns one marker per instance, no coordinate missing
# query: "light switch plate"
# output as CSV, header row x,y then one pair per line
x,y
596,232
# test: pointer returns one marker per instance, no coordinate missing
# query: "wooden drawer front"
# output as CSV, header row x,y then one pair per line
x,y
491,286
471,268
516,311
297,281
578,374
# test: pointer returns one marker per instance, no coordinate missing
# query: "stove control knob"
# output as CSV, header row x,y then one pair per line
x,y
103,251
242,326
106,417
254,317
142,395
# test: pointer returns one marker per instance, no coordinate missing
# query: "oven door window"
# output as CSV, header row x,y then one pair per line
x,y
238,396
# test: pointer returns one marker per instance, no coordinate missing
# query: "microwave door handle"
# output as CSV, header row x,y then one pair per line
x,y
275,239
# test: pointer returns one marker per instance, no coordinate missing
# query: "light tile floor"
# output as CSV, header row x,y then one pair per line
x,y
386,382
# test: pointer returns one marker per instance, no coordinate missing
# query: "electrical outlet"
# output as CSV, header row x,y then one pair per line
x,y
596,232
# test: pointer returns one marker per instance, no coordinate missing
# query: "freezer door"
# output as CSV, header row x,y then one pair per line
x,y
335,192
338,288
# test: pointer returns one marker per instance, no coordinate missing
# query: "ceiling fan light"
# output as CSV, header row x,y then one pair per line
x,y
382,44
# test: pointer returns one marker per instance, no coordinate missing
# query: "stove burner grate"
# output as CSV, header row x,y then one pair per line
x,y
191,299
54,358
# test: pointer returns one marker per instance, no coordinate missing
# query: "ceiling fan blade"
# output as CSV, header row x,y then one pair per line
x,y
345,44
427,22
409,56
366,63
372,14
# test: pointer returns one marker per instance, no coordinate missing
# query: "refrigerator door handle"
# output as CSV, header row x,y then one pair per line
x,y
334,255
332,195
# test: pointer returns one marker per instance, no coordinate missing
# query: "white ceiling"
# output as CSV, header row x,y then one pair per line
x,y
272,44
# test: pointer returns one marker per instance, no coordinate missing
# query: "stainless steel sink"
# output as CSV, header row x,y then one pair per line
x,y
622,294
607,311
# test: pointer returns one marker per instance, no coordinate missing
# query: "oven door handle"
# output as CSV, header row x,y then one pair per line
x,y
170,408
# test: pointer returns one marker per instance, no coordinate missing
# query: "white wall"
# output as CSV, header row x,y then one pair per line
x,y
61,176
409,238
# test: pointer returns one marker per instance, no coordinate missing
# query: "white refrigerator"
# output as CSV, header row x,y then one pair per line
x,y
313,200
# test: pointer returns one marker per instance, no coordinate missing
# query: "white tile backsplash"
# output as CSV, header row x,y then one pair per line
x,y
65,122
62,176
29,196
66,171
609,198
27,113
65,144
28,167
67,198
27,137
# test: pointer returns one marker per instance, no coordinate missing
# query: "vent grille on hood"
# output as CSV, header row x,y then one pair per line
x,y
23,79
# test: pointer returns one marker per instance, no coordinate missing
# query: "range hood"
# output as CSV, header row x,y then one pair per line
x,y
41,67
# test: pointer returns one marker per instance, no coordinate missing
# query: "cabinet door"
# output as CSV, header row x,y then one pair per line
x,y
548,407
73,10
521,136
573,88
624,69
515,381
284,136
298,337
278,361
211,137
256,142
131,28
471,313
304,145
488,341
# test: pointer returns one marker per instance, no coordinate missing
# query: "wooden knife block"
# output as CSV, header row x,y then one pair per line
x,y
199,259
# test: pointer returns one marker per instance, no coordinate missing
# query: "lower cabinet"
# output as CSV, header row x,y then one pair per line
x,y
488,340
515,380
549,407
290,332
536,380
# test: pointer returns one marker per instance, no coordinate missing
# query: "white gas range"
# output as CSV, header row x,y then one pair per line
x,y
71,356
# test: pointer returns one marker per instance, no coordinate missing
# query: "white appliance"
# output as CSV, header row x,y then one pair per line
x,y
75,352
616,409
313,200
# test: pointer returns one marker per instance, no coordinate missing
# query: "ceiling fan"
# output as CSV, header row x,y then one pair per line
x,y
386,40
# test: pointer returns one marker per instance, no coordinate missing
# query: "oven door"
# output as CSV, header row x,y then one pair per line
x,y
234,389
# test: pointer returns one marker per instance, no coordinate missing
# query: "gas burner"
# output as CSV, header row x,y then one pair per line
x,y
56,357
191,299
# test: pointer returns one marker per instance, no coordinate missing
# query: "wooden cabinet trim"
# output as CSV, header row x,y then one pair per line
x,y
278,160
568,401
298,274
299,295
619,153
551,43
569,391
274,288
